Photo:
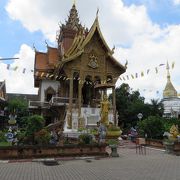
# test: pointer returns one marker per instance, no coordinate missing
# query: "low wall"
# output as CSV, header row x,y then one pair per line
x,y
177,148
159,144
18,152
155,143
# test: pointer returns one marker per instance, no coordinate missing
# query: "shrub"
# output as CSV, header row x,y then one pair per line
x,y
42,137
169,122
2,137
153,126
85,138
113,142
35,124
21,137
114,128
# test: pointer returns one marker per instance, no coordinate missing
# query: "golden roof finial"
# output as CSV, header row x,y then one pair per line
x,y
168,73
34,47
74,2
97,12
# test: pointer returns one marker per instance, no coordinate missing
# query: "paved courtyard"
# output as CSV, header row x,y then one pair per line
x,y
155,165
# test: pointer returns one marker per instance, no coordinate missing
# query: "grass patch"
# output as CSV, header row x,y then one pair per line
x,y
2,144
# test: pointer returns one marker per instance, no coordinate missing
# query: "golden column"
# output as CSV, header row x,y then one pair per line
x,y
80,96
114,104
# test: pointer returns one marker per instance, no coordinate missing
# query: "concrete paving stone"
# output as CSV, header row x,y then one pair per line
x,y
155,165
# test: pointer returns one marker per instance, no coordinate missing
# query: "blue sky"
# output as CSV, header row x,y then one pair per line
x,y
161,11
146,32
13,34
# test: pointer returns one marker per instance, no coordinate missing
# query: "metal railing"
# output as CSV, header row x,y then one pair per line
x,y
55,101
38,104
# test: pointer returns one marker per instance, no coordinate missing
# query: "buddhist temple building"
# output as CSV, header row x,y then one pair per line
x,y
73,76
171,101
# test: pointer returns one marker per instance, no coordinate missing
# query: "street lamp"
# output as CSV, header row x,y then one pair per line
x,y
140,116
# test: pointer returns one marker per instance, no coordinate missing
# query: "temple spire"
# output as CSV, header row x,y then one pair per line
x,y
169,90
168,73
73,19
74,2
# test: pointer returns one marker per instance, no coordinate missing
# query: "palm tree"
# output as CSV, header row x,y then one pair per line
x,y
156,107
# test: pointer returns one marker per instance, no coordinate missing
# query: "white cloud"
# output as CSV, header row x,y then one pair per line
x,y
177,2
17,81
125,26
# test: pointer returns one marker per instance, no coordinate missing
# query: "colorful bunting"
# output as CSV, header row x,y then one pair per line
x,y
50,75
156,69
37,73
42,74
24,70
142,74
136,75
15,68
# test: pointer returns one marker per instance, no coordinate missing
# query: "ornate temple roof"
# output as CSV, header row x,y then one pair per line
x,y
81,39
169,90
72,40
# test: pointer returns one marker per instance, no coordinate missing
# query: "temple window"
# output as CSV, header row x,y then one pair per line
x,y
49,93
109,79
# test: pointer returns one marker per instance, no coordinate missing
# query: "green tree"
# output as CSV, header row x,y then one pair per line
x,y
153,126
35,124
130,103
19,107
156,107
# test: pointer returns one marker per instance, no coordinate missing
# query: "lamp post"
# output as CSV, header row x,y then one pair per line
x,y
140,116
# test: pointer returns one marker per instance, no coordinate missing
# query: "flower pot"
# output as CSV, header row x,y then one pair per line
x,y
114,152
169,147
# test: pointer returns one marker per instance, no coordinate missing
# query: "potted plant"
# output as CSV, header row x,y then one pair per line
x,y
113,144
169,145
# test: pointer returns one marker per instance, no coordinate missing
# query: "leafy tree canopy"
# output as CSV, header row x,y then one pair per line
x,y
129,103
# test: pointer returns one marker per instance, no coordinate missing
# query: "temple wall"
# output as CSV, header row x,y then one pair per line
x,y
171,106
45,85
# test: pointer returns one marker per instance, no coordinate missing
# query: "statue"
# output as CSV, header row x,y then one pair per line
x,y
105,105
174,131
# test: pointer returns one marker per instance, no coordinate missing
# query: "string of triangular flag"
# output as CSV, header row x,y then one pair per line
x,y
143,73
50,75
15,68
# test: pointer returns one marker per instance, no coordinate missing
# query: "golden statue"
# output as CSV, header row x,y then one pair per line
x,y
174,131
105,106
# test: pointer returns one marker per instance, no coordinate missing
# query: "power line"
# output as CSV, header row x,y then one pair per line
x,y
4,59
